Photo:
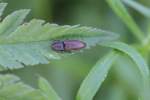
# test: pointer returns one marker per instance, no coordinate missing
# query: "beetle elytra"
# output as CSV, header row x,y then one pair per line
x,y
68,45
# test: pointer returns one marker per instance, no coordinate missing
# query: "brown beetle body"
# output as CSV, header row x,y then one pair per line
x,y
68,45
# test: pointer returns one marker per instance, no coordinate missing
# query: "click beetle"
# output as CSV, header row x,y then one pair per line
x,y
67,45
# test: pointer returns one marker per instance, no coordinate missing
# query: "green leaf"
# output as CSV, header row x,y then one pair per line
x,y
137,6
2,7
95,78
30,43
12,21
139,61
122,12
136,57
13,89
47,90
37,30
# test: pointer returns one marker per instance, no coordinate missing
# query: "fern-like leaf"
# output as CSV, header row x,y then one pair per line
x,y
30,43
11,88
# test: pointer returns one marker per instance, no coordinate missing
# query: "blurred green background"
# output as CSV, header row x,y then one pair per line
x,y
66,74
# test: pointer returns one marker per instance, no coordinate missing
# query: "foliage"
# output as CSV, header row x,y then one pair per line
x,y
13,89
94,79
29,43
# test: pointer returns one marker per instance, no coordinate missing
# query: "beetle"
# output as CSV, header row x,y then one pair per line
x,y
68,45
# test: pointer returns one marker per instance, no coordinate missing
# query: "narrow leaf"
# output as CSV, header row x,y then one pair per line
x,y
136,57
122,12
139,61
137,6
95,78
2,7
47,90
